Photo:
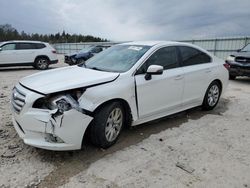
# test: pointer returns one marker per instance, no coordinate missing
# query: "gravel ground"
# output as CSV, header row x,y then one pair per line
x,y
190,149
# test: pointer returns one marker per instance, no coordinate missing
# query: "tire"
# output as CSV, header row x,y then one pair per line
x,y
212,96
232,77
104,132
42,63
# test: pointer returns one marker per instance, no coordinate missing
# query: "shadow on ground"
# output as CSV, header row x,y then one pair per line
x,y
10,69
68,164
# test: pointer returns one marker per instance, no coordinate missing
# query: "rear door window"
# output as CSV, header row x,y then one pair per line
x,y
192,56
26,46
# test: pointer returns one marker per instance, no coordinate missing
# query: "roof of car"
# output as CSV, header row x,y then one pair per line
x,y
152,43
19,41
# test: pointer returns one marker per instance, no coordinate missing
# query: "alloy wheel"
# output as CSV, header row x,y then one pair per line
x,y
114,124
42,63
213,95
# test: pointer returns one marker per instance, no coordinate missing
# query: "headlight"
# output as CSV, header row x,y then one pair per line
x,y
63,105
64,101
230,58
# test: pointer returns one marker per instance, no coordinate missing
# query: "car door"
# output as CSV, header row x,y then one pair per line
x,y
197,73
8,53
162,93
26,52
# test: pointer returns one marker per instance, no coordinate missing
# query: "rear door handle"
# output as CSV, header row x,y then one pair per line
x,y
208,70
179,77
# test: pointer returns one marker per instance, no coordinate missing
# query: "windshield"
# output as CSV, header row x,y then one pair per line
x,y
246,48
119,58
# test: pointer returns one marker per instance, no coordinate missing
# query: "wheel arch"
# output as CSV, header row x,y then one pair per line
x,y
128,113
125,104
220,83
214,80
41,56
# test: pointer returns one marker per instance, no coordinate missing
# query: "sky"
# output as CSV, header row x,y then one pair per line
x,y
124,20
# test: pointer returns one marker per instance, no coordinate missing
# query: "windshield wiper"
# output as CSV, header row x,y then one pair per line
x,y
95,68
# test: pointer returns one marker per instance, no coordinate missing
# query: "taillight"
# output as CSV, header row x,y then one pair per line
x,y
53,51
226,65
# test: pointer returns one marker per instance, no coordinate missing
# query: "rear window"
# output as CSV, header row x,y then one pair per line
x,y
192,56
40,45
25,46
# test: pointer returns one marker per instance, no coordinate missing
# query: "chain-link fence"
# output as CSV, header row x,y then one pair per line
x,y
221,47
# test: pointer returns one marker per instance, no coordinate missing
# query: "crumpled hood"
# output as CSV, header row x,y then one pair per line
x,y
66,78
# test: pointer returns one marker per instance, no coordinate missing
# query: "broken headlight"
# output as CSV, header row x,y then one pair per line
x,y
64,101
63,105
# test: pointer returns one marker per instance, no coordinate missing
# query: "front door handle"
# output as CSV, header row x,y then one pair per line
x,y
179,77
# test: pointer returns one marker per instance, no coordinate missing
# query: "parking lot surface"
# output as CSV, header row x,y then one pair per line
x,y
194,148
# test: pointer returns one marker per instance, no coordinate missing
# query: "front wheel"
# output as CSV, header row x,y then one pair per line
x,y
212,96
107,125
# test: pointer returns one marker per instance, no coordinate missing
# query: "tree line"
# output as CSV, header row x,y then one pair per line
x,y
7,32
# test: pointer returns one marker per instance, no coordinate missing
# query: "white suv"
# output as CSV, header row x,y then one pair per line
x,y
34,53
127,84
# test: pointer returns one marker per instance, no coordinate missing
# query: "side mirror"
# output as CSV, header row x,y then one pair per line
x,y
238,50
0,49
153,70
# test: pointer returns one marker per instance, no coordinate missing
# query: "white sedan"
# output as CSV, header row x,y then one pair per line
x,y
125,85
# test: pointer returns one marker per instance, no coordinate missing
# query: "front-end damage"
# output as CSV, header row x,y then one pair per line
x,y
54,122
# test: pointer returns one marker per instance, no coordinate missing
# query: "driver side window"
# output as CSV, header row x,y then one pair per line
x,y
166,57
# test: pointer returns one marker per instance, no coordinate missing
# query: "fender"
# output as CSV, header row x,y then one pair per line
x,y
93,97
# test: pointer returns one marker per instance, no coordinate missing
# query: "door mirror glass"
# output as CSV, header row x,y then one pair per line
x,y
0,49
153,70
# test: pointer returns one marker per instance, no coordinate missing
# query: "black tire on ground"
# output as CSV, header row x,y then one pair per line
x,y
108,120
42,63
212,96
232,77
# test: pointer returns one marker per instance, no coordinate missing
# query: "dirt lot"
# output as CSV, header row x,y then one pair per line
x,y
190,149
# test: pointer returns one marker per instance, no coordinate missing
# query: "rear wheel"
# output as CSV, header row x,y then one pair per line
x,y
41,63
212,96
107,125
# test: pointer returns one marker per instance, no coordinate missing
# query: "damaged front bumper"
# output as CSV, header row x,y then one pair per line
x,y
239,69
40,128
